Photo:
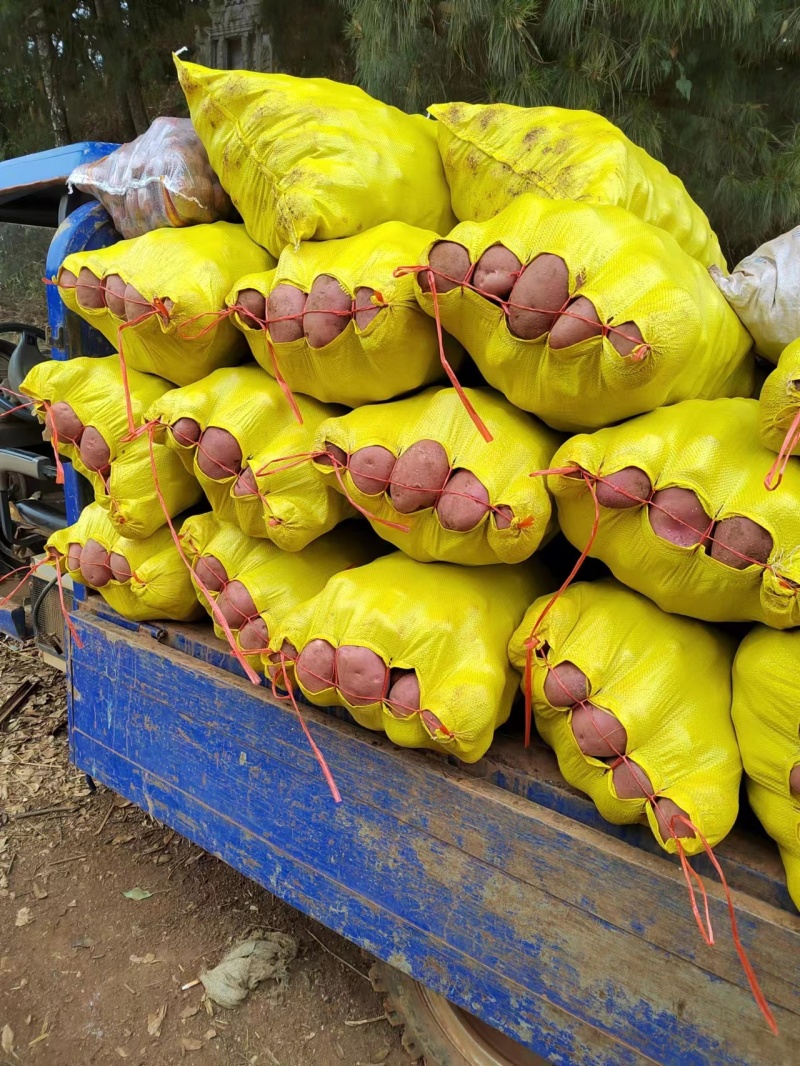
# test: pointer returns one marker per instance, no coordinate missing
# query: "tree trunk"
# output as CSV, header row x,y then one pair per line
x,y
136,102
122,71
55,100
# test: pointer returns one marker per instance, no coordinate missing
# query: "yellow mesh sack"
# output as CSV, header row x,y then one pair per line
x,y
520,445
712,448
666,679
310,159
397,351
94,390
695,346
277,581
160,585
779,404
194,268
294,505
492,153
449,624
766,714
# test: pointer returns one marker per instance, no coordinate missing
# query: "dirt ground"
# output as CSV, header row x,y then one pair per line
x,y
88,975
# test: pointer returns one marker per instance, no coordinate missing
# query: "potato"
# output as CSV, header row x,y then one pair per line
x,y
597,731
365,310
236,604
403,695
186,431
218,454
630,781
246,484
74,556
503,516
90,290
419,475
539,293
668,815
94,564
115,294
94,451
65,423
690,522
288,651
211,572
254,307
285,308
611,490
361,675
450,263
67,280
626,338
496,272
740,542
463,503
565,685
433,724
332,451
578,323
120,567
371,469
316,666
135,303
794,780
253,635
328,310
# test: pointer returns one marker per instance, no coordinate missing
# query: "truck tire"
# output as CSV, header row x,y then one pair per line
x,y
439,1033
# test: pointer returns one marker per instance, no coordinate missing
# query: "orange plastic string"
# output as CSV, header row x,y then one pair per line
x,y
783,458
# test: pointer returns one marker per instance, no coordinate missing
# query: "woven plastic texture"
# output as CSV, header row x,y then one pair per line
x,y
666,679
163,178
695,345
452,625
396,352
520,445
94,390
161,584
294,505
779,402
193,267
311,159
492,153
712,448
766,714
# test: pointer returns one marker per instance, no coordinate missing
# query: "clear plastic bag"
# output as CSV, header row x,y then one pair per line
x,y
163,178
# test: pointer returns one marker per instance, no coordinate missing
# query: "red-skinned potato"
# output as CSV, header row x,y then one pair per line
x,y
332,451
496,272
565,685
328,310
120,567
254,307
135,303
253,635
186,431
218,454
236,604
597,731
678,516
67,425
794,780
315,668
463,503
246,484
360,675
365,309
419,475
74,552
94,564
371,469
285,308
630,781
67,280
626,338
211,572
503,516
539,293
616,490
578,323
115,294
450,264
403,695
94,451
739,542
670,819
90,290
